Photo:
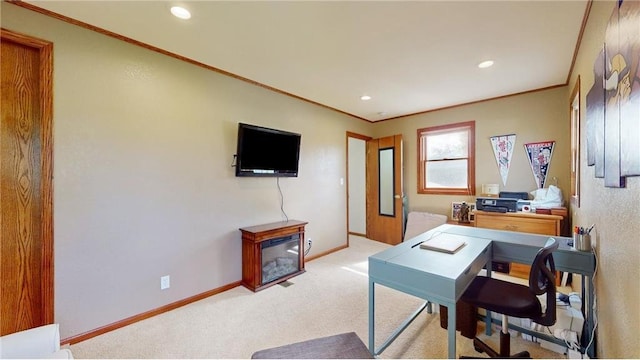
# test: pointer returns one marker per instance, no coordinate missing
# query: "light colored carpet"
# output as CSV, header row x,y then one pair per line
x,y
329,299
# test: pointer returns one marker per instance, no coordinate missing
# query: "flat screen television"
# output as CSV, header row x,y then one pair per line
x,y
267,152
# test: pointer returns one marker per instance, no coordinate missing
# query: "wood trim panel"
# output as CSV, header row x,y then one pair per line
x,y
357,234
46,135
45,197
358,136
331,251
365,139
473,102
583,26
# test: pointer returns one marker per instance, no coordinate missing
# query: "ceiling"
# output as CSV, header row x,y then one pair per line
x,y
409,56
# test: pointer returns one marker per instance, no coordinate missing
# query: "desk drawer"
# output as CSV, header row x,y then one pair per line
x,y
533,226
472,271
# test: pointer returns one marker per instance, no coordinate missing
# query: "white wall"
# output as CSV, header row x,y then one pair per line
x,y
143,147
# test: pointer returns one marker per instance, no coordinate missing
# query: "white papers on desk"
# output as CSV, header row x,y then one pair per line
x,y
444,242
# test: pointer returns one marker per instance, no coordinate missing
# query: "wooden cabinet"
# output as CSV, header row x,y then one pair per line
x,y
522,222
255,256
542,224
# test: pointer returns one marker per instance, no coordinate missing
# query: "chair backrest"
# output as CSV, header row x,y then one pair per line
x,y
542,280
421,222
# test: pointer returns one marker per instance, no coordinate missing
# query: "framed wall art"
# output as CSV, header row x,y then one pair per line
x,y
455,210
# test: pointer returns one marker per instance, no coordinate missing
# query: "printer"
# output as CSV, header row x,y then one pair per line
x,y
501,205
523,199
506,202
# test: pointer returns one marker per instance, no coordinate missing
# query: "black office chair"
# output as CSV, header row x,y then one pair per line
x,y
517,300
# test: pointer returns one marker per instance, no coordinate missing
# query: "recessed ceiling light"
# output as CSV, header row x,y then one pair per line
x,y
365,97
485,64
180,12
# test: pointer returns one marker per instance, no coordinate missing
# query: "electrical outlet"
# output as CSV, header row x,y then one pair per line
x,y
165,282
309,242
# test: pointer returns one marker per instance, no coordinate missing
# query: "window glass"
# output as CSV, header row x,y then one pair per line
x,y
446,174
447,159
448,145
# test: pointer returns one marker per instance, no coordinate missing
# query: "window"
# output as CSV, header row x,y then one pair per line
x,y
446,159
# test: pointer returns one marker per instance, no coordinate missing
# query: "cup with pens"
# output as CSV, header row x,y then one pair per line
x,y
582,238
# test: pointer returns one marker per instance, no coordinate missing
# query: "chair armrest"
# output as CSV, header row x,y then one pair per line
x,y
38,342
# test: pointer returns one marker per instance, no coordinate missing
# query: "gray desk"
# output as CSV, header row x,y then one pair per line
x,y
442,278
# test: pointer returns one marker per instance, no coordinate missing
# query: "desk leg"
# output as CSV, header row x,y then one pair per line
x,y
588,303
587,316
372,345
451,328
487,316
487,323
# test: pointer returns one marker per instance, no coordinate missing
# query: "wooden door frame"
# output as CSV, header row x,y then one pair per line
x,y
45,50
365,139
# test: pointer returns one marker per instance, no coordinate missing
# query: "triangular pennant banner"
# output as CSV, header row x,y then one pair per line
x,y
539,155
503,150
